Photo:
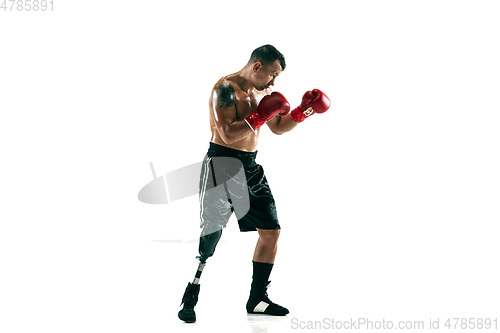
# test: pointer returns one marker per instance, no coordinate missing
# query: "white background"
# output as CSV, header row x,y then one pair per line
x,y
389,202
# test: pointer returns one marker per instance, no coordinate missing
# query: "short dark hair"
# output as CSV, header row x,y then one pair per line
x,y
267,55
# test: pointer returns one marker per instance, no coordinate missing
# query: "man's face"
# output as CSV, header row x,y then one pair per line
x,y
265,76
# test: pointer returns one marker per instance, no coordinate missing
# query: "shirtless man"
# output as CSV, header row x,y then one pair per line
x,y
239,105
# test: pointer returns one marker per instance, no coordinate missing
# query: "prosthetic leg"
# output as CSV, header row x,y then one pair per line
x,y
209,238
222,177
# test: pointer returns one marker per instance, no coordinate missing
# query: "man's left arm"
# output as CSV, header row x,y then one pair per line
x,y
313,102
280,125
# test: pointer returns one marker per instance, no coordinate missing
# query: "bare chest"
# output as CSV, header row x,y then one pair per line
x,y
245,105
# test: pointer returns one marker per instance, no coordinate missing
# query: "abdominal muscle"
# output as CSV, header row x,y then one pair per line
x,y
248,143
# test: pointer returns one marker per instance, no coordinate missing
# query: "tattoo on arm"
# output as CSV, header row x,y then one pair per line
x,y
225,95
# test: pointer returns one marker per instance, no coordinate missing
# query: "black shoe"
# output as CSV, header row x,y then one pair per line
x,y
189,300
260,303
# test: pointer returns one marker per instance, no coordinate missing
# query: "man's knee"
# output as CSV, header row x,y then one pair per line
x,y
209,238
269,237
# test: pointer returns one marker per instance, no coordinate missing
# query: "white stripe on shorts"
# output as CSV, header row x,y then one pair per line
x,y
204,187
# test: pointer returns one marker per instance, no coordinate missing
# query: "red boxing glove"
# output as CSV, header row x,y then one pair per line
x,y
312,102
268,108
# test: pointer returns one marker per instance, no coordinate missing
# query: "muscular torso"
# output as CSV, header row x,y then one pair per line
x,y
245,103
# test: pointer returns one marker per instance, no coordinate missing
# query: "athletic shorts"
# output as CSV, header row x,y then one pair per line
x,y
231,181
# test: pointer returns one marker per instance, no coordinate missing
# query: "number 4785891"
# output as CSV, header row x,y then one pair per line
x,y
27,5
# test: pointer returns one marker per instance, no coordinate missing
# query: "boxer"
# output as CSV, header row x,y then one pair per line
x,y
240,104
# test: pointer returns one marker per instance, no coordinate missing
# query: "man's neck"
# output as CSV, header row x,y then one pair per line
x,y
244,78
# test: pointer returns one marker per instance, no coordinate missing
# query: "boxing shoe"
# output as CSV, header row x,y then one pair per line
x,y
189,300
259,302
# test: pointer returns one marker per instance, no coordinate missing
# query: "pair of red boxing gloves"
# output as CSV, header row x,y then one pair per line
x,y
276,104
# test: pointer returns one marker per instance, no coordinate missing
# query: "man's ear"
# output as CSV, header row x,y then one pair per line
x,y
256,66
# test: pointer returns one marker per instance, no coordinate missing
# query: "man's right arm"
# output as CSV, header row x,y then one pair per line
x,y
230,129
